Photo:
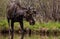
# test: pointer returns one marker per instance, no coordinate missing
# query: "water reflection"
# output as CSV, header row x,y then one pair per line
x,y
26,36
21,36
12,35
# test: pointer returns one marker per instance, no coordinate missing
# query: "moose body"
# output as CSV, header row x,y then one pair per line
x,y
16,13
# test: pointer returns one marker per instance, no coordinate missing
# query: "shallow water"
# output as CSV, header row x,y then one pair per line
x,y
26,36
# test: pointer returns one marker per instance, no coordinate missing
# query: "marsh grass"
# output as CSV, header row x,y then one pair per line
x,y
50,25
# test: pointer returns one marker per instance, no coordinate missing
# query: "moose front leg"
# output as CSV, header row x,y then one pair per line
x,y
21,25
12,29
9,26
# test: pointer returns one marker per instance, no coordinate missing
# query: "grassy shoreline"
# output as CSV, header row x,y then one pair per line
x,y
50,27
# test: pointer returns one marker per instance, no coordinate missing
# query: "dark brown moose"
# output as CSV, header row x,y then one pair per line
x,y
16,13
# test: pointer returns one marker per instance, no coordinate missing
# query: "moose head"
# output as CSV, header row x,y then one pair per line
x,y
29,16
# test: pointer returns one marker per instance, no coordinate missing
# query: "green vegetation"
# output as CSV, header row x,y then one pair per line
x,y
50,25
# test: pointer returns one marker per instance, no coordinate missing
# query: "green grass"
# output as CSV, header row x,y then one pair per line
x,y
50,25
3,24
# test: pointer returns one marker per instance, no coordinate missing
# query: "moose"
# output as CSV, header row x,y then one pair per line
x,y
16,13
